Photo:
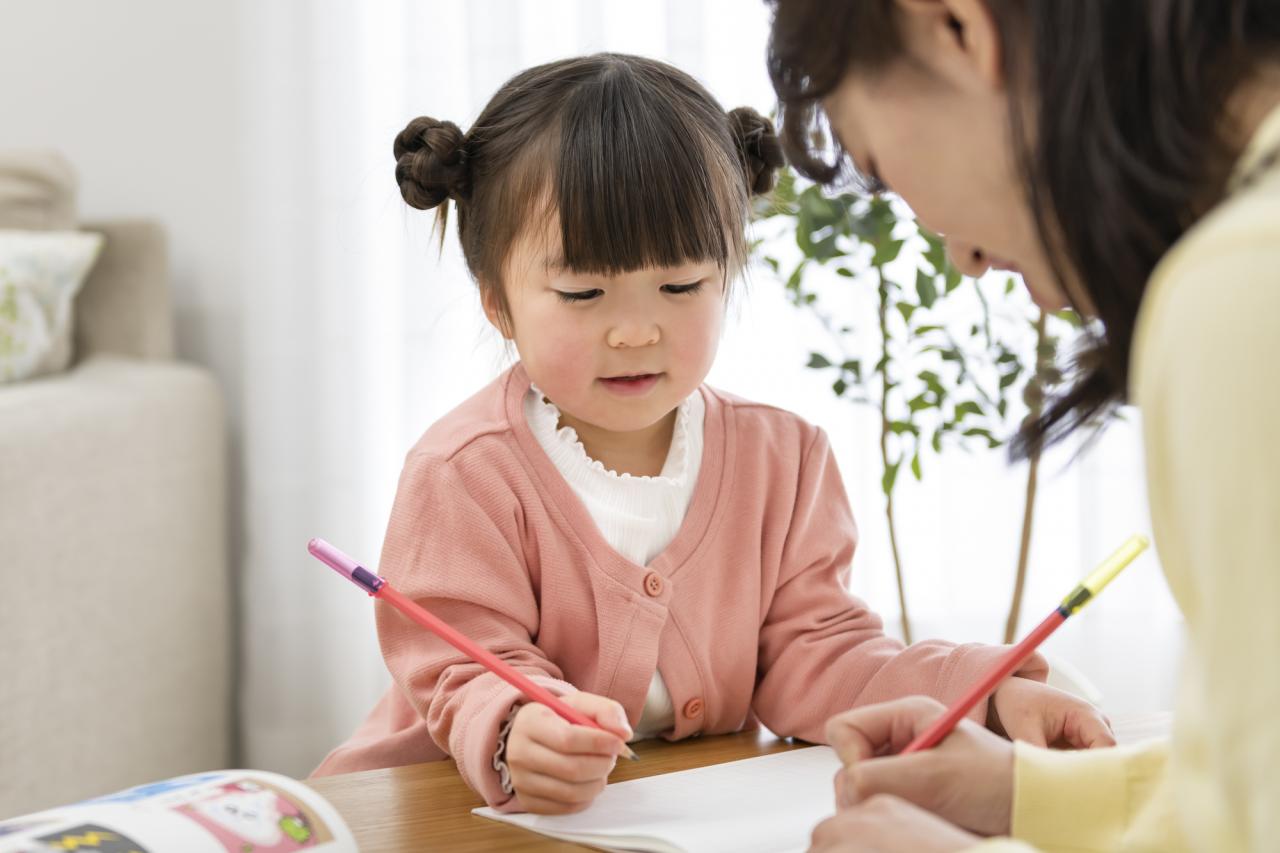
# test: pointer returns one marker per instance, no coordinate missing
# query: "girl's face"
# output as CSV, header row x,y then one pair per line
x,y
616,352
934,127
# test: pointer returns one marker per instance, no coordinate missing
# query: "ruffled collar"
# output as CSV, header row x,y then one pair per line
x,y
565,447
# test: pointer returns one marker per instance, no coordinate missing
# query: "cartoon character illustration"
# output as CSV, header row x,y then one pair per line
x,y
247,817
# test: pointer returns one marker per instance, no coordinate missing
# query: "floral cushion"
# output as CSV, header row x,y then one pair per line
x,y
40,274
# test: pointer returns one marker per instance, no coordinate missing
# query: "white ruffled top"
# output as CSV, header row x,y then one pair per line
x,y
638,516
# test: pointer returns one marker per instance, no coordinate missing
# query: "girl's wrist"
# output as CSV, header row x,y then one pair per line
x,y
500,754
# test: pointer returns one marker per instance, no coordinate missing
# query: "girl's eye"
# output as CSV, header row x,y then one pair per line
x,y
682,288
578,295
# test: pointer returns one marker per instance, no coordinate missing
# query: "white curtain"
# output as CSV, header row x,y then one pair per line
x,y
356,337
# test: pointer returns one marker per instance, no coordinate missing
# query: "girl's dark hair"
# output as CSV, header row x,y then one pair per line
x,y
638,161
1130,144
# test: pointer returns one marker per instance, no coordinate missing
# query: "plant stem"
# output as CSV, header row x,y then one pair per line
x,y
884,452
1036,400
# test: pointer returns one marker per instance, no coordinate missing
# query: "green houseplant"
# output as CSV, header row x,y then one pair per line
x,y
927,351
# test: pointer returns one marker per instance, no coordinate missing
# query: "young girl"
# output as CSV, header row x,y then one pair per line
x,y
670,558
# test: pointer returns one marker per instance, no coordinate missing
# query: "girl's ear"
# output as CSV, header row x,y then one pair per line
x,y
493,311
961,35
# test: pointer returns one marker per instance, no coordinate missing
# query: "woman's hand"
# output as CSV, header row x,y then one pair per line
x,y
966,779
882,824
1041,715
557,767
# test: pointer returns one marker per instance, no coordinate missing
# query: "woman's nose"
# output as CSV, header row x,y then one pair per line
x,y
633,334
969,259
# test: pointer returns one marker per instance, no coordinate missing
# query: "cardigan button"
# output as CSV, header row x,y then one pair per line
x,y
653,584
693,709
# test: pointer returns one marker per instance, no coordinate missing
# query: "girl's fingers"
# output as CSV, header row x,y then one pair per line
x,y
537,805
549,729
544,787
603,710
539,758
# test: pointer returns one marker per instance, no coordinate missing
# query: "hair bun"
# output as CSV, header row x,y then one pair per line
x,y
431,162
759,146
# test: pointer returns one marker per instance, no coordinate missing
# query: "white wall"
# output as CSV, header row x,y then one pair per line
x,y
146,99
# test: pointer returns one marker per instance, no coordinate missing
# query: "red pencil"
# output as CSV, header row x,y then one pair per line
x,y
379,588
1078,598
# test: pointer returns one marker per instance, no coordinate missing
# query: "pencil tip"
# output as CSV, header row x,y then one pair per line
x,y
631,754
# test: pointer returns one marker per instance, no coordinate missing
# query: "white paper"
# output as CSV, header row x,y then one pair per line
x,y
768,804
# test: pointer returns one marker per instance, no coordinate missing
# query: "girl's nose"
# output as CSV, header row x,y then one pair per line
x,y
633,334
969,259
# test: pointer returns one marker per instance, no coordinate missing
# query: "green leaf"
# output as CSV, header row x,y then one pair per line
x,y
890,476
919,402
967,407
818,360
773,264
899,427
1009,285
793,282
886,252
906,309
926,289
923,330
1009,378
840,386
953,278
937,441
992,441
936,254
854,366
915,466
1069,316
844,271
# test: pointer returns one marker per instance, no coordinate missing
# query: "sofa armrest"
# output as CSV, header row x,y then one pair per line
x,y
125,306
115,664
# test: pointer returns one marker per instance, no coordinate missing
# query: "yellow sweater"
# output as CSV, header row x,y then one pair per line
x,y
1206,376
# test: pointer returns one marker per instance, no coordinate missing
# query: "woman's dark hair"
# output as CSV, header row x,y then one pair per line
x,y
1129,144
638,161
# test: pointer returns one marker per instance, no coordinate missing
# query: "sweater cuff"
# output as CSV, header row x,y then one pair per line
x,y
1081,799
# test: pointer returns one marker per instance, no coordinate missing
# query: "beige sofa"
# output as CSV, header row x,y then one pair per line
x,y
115,649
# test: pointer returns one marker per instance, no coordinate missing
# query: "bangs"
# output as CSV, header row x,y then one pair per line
x,y
639,185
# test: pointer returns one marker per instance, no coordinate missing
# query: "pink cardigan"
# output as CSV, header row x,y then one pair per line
x,y
745,614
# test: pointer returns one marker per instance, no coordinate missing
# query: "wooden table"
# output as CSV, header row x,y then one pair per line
x,y
425,807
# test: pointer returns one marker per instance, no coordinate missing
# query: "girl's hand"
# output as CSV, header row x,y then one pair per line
x,y
883,824
967,779
1041,715
557,767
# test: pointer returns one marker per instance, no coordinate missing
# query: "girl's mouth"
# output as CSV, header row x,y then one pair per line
x,y
631,385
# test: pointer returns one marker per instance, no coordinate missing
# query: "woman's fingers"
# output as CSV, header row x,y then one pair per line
x,y
1088,729
882,729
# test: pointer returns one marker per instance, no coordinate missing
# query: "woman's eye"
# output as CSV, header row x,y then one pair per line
x,y
578,295
682,288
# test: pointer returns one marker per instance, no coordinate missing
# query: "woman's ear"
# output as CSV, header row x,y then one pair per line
x,y
960,37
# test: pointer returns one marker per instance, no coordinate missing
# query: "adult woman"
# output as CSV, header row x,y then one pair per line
x,y
1125,158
